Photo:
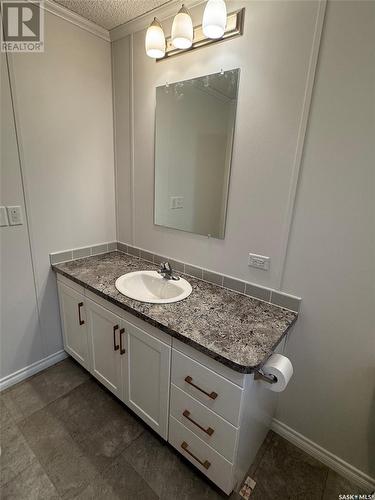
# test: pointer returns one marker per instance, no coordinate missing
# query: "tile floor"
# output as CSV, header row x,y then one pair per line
x,y
64,436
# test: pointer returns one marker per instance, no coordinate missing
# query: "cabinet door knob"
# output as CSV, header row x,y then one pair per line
x,y
205,463
208,431
81,321
116,347
211,395
122,350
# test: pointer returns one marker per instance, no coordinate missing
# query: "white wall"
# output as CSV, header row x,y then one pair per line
x,y
20,336
122,111
63,102
273,55
331,256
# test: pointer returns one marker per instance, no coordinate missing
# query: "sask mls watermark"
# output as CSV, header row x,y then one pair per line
x,y
23,26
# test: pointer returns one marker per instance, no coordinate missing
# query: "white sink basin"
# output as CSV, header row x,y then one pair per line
x,y
150,286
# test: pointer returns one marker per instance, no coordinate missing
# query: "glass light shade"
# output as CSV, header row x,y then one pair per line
x,y
155,40
214,19
182,30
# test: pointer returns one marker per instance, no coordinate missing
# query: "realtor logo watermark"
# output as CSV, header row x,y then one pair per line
x,y
23,26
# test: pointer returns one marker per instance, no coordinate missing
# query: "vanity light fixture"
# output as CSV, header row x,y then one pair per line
x,y
182,29
155,40
217,25
214,19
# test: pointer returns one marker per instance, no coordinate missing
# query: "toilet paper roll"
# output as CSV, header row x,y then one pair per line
x,y
281,368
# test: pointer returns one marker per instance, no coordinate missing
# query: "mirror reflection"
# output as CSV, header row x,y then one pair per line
x,y
194,133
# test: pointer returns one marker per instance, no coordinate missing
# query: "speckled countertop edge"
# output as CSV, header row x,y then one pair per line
x,y
240,367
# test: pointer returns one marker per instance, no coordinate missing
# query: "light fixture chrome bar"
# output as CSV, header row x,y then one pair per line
x,y
235,24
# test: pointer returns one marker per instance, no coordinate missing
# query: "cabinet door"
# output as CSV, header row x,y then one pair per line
x,y
74,327
147,378
104,332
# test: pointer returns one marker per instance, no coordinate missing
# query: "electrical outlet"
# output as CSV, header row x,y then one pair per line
x,y
176,202
259,261
15,216
3,217
180,202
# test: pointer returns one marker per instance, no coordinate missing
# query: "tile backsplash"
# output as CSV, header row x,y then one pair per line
x,y
80,253
266,294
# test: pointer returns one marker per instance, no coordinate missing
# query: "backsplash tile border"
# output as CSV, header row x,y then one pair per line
x,y
56,258
259,292
234,284
82,252
214,278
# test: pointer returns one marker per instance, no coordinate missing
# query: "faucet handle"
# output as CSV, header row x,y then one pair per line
x,y
165,267
167,272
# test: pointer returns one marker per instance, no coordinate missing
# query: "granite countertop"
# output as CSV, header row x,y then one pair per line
x,y
236,330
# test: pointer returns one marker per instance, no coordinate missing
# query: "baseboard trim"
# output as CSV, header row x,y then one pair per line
x,y
326,457
32,369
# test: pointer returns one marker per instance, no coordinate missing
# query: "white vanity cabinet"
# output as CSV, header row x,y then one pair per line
x,y
216,417
107,346
132,363
147,378
74,324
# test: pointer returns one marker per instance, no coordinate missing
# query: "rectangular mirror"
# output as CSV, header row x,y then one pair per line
x,y
194,130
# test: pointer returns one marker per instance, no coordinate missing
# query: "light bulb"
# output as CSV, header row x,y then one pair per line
x,y
182,29
155,40
214,19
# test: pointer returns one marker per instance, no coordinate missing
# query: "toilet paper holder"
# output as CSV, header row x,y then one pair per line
x,y
270,379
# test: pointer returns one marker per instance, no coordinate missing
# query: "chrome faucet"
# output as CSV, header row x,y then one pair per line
x,y
167,272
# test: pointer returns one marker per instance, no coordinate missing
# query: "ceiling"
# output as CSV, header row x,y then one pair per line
x,y
111,13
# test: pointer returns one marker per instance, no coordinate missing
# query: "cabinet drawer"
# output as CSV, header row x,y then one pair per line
x,y
214,430
214,391
207,460
226,372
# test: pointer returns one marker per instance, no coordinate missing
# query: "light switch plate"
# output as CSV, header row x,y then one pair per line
x,y
259,261
15,216
3,217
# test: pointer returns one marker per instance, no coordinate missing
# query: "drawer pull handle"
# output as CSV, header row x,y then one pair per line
x,y
81,321
211,395
208,431
116,347
122,350
206,464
